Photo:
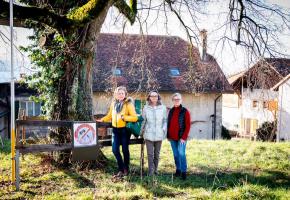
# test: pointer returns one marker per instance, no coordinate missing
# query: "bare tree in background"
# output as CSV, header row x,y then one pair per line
x,y
66,33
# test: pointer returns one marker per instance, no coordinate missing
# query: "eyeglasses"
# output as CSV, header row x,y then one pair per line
x,y
176,99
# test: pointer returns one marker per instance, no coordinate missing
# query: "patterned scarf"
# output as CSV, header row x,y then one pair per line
x,y
119,105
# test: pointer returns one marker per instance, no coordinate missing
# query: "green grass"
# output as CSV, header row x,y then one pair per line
x,y
217,170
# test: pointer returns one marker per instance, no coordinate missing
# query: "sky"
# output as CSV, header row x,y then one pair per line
x,y
232,59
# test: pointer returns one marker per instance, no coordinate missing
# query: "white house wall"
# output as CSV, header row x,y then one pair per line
x,y
231,116
283,125
201,106
259,113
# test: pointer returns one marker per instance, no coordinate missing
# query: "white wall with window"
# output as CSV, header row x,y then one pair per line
x,y
255,104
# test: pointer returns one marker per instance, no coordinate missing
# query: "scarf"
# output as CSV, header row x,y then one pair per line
x,y
119,105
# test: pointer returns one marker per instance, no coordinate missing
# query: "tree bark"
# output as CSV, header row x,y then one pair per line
x,y
75,89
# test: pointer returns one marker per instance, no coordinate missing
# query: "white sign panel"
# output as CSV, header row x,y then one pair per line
x,y
85,134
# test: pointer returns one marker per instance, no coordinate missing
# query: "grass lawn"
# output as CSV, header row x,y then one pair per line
x,y
217,170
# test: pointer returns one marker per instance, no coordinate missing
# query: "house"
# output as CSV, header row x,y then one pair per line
x,y
283,116
255,101
22,94
22,101
165,63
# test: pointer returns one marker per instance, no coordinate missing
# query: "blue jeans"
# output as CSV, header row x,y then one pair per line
x,y
178,149
121,137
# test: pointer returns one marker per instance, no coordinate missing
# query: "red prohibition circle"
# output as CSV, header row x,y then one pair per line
x,y
88,134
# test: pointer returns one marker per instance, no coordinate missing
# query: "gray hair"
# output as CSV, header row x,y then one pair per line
x,y
176,95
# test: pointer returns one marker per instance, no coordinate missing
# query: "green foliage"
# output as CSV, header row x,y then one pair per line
x,y
216,170
53,61
48,63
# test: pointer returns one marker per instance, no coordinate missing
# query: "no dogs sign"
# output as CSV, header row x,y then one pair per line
x,y
85,134
84,141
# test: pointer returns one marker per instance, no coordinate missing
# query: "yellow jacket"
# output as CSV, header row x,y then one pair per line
x,y
128,112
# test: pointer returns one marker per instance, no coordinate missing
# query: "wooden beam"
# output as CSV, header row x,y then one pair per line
x,y
56,123
38,148
16,23
44,123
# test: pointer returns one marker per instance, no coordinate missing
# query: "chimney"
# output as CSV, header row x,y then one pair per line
x,y
203,35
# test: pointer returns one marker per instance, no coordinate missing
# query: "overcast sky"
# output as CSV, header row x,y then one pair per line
x,y
231,60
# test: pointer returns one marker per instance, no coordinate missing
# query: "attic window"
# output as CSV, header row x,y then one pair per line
x,y
117,72
174,72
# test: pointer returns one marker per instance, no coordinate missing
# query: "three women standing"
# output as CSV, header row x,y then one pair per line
x,y
155,129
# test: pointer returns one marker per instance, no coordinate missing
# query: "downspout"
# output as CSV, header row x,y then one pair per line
x,y
280,112
214,118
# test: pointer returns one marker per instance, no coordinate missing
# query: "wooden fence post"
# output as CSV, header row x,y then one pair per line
x,y
142,160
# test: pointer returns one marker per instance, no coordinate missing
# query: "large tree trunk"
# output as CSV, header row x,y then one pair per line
x,y
75,89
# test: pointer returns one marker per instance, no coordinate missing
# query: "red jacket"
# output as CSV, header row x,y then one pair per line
x,y
174,125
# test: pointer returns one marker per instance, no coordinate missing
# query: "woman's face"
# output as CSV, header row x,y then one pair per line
x,y
176,101
121,95
153,97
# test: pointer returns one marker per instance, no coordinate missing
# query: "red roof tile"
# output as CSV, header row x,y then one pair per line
x,y
145,62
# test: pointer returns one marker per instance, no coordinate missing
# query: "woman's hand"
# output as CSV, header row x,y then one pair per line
x,y
99,120
182,141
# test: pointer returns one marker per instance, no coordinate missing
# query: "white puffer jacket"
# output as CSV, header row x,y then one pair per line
x,y
155,122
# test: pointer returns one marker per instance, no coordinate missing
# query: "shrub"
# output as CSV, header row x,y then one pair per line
x,y
225,133
267,132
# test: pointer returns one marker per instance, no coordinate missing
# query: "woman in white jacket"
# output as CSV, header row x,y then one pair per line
x,y
155,125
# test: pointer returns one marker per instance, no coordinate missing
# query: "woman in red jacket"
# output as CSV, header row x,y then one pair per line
x,y
178,127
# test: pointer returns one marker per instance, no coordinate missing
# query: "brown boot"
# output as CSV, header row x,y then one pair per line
x,y
126,172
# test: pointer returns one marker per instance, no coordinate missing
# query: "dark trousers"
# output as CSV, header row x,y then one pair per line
x,y
121,137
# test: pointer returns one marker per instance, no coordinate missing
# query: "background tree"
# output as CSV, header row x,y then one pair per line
x,y
66,32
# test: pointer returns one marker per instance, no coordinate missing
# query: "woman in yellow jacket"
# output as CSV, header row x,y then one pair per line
x,y
121,111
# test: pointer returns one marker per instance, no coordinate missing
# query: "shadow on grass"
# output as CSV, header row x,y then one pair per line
x,y
79,179
164,184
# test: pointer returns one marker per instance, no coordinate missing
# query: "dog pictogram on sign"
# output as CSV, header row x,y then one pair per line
x,y
84,134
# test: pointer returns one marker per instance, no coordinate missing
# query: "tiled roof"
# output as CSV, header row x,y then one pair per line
x,y
282,65
264,74
145,63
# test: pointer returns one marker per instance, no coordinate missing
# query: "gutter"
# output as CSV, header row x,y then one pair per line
x,y
214,118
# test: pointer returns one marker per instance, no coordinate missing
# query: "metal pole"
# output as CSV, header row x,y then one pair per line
x,y
12,90
17,183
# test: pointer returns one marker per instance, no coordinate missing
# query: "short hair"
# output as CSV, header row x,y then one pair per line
x,y
176,95
159,97
120,88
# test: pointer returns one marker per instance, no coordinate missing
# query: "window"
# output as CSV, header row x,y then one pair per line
x,y
255,104
31,108
117,72
174,72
